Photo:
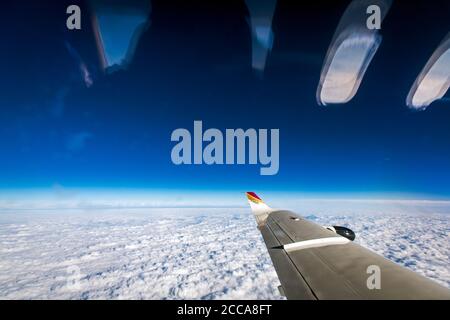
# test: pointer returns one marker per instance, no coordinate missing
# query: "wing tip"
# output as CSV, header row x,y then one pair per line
x,y
259,209
253,197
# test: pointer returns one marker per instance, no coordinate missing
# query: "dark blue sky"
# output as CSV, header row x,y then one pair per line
x,y
194,63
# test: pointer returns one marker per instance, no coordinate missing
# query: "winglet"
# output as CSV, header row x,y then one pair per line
x,y
253,197
259,209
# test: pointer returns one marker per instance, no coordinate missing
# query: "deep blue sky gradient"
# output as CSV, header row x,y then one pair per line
x,y
194,64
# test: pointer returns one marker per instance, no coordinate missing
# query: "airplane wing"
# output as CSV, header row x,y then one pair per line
x,y
313,262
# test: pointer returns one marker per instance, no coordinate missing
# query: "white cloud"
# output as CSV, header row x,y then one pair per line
x,y
195,253
151,254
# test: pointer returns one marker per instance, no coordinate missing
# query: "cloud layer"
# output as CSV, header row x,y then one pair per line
x,y
184,253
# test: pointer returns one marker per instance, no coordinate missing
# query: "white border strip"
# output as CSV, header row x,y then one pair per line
x,y
315,243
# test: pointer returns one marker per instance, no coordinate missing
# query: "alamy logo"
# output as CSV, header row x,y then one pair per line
x,y
374,280
373,22
208,147
73,21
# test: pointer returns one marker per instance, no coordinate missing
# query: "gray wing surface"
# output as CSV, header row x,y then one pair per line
x,y
337,271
